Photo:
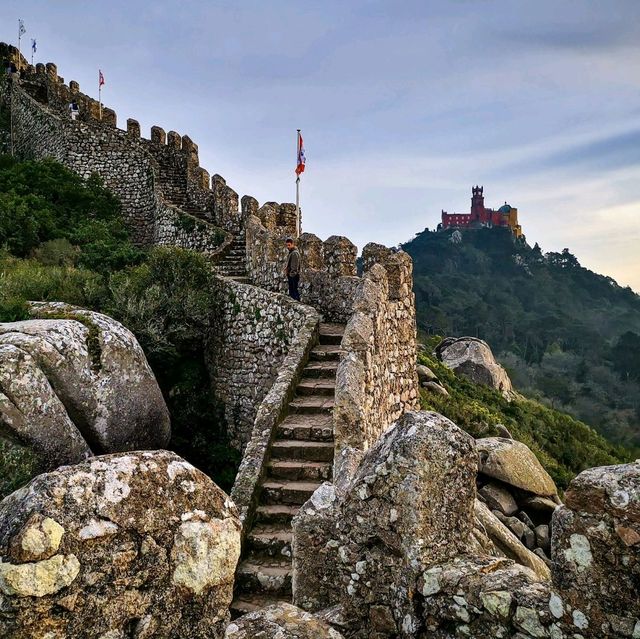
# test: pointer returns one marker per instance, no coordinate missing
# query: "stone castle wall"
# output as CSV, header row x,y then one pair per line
x,y
149,176
328,279
122,162
255,332
377,380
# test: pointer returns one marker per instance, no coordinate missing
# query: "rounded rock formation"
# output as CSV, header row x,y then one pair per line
x,y
513,463
127,545
473,359
76,382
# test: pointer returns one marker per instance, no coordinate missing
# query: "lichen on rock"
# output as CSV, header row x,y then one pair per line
x,y
129,540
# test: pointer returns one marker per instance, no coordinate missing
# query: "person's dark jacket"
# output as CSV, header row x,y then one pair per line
x,y
293,263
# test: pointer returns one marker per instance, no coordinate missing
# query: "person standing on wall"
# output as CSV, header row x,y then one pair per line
x,y
74,110
292,270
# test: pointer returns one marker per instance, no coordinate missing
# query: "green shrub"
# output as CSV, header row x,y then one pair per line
x,y
168,304
59,252
23,280
43,201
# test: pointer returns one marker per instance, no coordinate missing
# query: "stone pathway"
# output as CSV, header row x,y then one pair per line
x,y
301,458
233,264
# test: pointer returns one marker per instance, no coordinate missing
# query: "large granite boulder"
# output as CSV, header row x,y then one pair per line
x,y
488,597
362,544
283,621
596,550
126,545
472,358
75,382
513,463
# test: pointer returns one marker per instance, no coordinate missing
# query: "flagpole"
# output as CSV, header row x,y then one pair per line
x,y
20,27
99,97
298,225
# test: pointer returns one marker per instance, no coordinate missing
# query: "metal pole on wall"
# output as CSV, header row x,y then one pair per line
x,y
297,184
21,32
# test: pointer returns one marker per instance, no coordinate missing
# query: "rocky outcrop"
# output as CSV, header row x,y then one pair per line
x,y
520,498
74,382
513,463
485,597
596,550
403,549
283,621
408,505
472,358
134,544
594,593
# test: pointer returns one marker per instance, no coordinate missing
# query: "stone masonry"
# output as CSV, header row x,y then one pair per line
x,y
254,332
167,198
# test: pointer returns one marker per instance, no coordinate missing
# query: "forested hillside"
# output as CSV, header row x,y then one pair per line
x,y
566,335
62,238
564,445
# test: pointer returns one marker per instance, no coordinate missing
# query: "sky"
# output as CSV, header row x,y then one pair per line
x,y
403,105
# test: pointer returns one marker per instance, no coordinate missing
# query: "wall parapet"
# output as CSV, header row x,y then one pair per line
x,y
270,413
266,338
120,158
178,178
376,380
255,333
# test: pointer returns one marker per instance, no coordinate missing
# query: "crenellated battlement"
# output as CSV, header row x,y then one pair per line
x,y
147,174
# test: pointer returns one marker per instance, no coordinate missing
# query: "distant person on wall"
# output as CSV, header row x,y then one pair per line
x,y
292,271
74,110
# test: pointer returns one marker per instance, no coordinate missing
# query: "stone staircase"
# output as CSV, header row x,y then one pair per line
x,y
233,263
173,186
301,458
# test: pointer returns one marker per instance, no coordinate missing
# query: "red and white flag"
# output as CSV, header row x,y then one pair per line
x,y
100,78
301,157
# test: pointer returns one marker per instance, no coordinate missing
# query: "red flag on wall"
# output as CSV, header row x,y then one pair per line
x,y
100,78
301,157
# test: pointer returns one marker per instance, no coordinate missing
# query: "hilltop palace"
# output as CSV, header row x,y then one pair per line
x,y
480,216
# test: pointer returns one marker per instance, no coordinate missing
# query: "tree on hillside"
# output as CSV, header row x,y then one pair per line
x,y
626,355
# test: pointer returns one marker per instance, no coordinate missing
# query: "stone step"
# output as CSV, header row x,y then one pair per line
x,y
271,540
275,513
265,575
316,387
232,271
231,263
318,428
325,352
295,449
240,279
282,491
246,603
298,470
320,370
331,333
312,404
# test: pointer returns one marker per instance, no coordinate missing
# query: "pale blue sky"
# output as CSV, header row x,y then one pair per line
x,y
403,105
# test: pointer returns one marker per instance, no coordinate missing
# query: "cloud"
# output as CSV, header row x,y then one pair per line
x,y
404,105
